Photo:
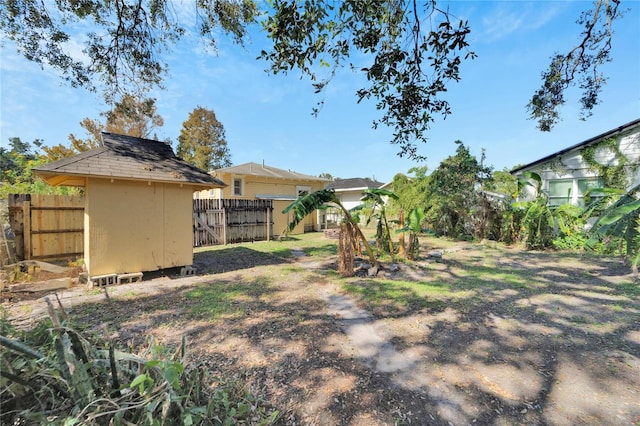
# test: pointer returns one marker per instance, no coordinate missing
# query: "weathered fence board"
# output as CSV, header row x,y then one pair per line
x,y
224,221
47,226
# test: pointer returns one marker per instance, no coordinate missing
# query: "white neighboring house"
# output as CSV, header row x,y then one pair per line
x,y
566,176
349,192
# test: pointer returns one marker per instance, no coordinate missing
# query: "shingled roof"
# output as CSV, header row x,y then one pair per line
x,y
353,184
255,169
127,158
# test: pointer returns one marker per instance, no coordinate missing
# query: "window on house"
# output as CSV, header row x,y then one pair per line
x,y
591,187
560,192
302,190
237,187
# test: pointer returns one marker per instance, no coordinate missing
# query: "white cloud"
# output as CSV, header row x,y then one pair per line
x,y
74,48
508,18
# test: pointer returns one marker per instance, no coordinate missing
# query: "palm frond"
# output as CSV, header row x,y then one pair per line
x,y
607,196
376,195
619,213
416,216
566,216
414,222
307,204
617,218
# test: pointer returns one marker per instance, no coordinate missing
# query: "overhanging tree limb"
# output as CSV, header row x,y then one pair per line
x,y
581,63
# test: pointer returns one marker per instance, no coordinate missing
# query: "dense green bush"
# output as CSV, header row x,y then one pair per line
x,y
573,242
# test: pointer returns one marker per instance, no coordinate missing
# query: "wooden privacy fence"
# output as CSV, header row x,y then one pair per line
x,y
224,221
52,226
47,226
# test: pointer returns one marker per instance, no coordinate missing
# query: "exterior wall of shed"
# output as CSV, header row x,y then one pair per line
x,y
571,165
137,226
254,186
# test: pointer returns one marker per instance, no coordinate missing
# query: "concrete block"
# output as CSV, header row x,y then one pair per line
x,y
134,277
187,270
104,280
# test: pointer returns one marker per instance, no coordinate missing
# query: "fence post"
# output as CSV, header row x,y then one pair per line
x,y
268,223
26,234
224,229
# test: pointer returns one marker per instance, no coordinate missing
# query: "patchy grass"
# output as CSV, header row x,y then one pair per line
x,y
237,257
216,300
322,250
629,289
497,277
277,247
292,269
393,296
222,299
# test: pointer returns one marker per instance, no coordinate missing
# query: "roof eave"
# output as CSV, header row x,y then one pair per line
x,y
63,179
266,172
57,179
363,188
587,142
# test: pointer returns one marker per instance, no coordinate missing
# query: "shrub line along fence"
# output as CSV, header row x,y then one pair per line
x,y
52,226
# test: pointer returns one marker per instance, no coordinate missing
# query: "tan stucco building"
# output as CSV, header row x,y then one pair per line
x,y
252,181
138,203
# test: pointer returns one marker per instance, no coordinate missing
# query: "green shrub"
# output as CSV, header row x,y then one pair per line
x,y
573,242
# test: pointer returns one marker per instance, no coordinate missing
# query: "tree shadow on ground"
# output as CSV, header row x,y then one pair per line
x,y
514,348
282,349
236,258
543,343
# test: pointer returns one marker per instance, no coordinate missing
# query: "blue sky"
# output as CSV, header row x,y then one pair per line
x,y
268,118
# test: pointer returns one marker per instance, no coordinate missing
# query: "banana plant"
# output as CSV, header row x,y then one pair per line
x,y
378,198
538,219
621,219
308,203
413,225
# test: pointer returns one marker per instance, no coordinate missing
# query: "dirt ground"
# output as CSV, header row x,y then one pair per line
x,y
549,339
